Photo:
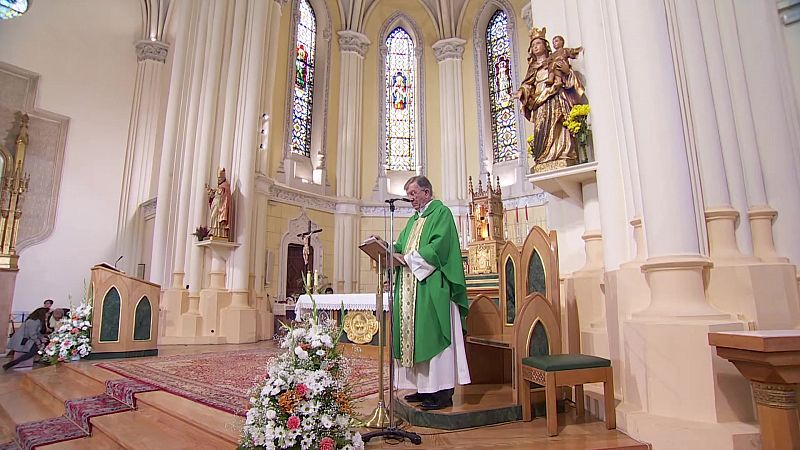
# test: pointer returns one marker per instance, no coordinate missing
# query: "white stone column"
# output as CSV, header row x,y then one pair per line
x,y
160,265
674,269
353,47
204,175
700,115
187,144
268,91
592,236
140,172
239,320
608,143
346,252
725,123
761,214
623,120
449,53
679,316
232,86
777,147
171,232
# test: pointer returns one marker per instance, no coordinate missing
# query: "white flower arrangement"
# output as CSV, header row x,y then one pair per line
x,y
73,337
305,402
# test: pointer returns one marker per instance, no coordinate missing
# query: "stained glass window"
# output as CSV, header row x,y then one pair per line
x,y
303,100
401,107
12,8
505,143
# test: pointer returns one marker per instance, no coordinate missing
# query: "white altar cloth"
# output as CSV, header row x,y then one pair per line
x,y
333,302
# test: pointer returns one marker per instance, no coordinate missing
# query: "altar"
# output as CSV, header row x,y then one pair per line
x,y
360,322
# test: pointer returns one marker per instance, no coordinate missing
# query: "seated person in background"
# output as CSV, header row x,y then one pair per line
x,y
329,290
27,339
55,318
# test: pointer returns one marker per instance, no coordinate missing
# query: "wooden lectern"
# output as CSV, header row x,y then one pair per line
x,y
124,316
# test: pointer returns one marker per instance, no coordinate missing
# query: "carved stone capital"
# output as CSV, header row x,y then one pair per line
x,y
353,41
153,50
527,16
773,395
451,48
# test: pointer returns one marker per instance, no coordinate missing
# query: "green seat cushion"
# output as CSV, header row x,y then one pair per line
x,y
554,363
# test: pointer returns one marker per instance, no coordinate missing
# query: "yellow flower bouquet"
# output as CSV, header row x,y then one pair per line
x,y
578,125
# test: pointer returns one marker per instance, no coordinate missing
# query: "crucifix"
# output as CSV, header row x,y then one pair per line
x,y
306,236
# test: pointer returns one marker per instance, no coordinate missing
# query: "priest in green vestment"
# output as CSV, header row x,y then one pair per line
x,y
430,302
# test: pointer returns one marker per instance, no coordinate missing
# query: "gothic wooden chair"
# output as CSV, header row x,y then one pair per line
x,y
537,337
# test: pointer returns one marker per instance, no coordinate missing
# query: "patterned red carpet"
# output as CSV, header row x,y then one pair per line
x,y
223,380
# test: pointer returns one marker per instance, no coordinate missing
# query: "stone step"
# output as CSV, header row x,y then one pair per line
x,y
57,384
97,441
147,428
226,426
192,413
24,406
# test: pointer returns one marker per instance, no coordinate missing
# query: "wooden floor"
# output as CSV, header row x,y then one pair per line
x,y
165,421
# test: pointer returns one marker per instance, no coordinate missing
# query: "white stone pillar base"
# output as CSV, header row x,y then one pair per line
x,y
672,372
238,321
191,325
177,280
641,246
174,302
721,225
761,227
673,433
626,291
212,302
676,286
766,294
669,406
593,242
216,280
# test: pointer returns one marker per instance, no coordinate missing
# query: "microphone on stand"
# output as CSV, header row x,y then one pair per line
x,y
400,199
118,259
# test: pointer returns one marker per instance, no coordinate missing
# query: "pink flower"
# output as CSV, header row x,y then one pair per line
x,y
301,389
327,444
75,331
293,423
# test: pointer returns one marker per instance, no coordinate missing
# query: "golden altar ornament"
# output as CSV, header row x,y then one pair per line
x,y
360,326
486,227
13,185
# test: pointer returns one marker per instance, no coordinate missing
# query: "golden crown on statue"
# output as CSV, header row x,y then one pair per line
x,y
538,33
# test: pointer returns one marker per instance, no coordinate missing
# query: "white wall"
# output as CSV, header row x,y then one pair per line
x,y
84,52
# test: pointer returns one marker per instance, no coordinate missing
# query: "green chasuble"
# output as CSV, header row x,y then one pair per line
x,y
439,246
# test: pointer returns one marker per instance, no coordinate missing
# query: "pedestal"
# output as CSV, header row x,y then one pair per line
x,y
7,282
175,301
764,293
770,360
238,321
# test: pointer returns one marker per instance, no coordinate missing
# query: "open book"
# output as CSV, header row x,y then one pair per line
x,y
376,249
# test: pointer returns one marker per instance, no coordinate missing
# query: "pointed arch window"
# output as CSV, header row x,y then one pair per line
x,y
505,143
303,97
401,102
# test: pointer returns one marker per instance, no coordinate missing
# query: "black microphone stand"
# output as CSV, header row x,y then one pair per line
x,y
392,430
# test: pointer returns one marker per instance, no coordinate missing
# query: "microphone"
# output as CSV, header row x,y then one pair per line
x,y
118,259
401,199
